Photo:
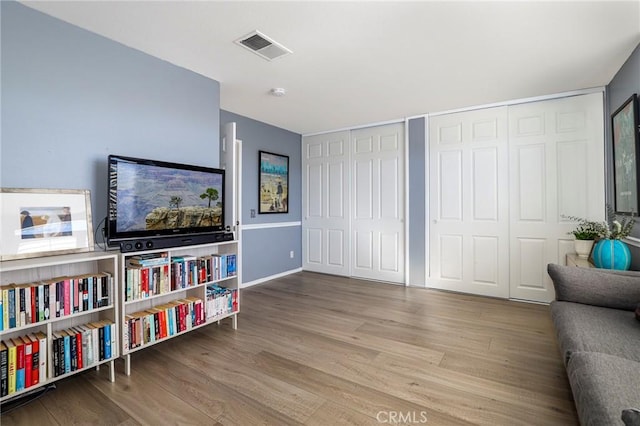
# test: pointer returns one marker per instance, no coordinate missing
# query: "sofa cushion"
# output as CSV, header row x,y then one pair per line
x,y
603,386
631,417
595,329
598,287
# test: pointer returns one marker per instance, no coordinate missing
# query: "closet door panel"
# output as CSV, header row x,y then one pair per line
x,y
326,204
557,170
378,192
468,199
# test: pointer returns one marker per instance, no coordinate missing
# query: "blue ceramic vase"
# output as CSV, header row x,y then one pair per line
x,y
612,254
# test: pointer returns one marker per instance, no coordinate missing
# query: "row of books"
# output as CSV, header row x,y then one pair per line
x,y
162,321
220,301
24,304
150,276
191,270
82,346
23,362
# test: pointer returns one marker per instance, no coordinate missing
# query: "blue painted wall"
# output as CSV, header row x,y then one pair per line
x,y
258,136
265,250
71,97
625,83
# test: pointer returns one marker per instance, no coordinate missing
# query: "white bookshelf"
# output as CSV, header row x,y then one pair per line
x,y
130,306
37,270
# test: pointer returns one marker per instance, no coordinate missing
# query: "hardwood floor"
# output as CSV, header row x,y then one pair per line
x,y
314,349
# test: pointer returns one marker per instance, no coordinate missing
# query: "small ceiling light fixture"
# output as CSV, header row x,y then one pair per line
x,y
278,92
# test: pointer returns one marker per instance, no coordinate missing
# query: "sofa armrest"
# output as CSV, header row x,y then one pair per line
x,y
598,287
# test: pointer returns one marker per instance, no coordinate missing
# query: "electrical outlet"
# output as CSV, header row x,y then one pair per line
x,y
253,213
291,254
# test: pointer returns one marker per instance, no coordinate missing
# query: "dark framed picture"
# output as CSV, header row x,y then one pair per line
x,y
273,183
626,145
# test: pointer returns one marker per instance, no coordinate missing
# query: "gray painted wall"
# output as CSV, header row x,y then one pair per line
x,y
417,193
71,97
265,252
625,83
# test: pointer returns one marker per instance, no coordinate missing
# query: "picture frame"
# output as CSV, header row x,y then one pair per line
x,y
273,185
44,222
626,163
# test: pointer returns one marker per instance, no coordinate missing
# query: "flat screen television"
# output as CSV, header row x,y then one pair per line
x,y
153,199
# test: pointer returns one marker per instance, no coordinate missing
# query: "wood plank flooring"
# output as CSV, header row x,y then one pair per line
x,y
314,349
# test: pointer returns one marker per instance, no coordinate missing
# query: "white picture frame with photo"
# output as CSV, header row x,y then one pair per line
x,y
44,222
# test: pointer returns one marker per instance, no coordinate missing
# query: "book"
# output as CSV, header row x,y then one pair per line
x,y
107,339
1,312
11,366
87,345
73,349
232,268
80,347
66,297
101,342
66,351
20,305
5,309
76,293
11,297
4,369
35,359
94,342
19,344
42,355
126,333
38,302
148,259
104,292
28,361
57,354
91,293
144,282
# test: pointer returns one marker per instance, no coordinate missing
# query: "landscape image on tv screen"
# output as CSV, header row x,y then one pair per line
x,y
154,198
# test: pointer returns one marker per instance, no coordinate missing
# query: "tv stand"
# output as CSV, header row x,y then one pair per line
x,y
165,293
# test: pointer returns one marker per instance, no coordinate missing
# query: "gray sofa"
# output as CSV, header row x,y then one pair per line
x,y
599,338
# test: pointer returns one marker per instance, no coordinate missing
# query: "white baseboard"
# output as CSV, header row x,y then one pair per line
x,y
271,277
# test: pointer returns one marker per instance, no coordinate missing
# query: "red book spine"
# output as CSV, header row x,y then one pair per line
x,y
28,362
67,297
163,323
79,353
35,364
185,314
144,281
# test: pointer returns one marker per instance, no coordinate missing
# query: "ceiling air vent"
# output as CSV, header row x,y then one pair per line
x,y
263,46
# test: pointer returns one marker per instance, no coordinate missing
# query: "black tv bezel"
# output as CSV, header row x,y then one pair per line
x,y
113,237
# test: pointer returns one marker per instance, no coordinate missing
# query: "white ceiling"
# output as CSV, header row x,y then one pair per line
x,y
357,63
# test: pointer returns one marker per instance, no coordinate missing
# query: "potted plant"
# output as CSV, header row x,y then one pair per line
x,y
585,234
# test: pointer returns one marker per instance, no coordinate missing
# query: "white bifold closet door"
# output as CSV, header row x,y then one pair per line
x,y
354,203
377,158
501,181
556,170
326,205
468,199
